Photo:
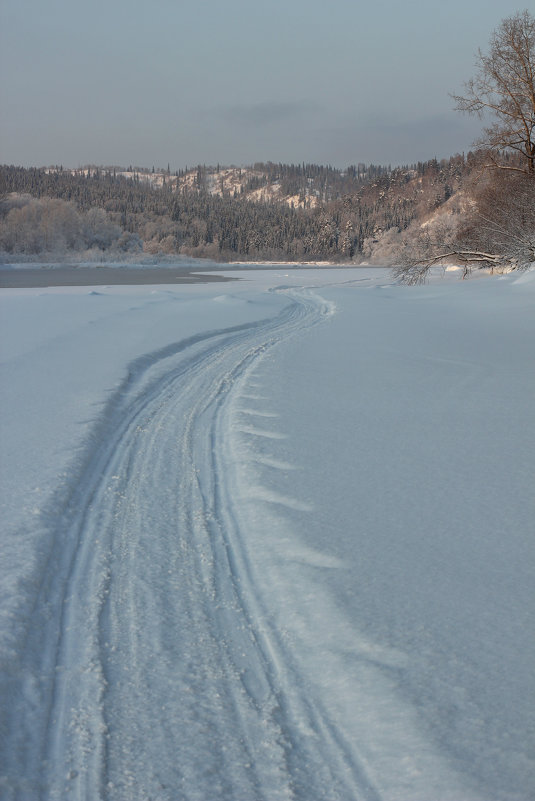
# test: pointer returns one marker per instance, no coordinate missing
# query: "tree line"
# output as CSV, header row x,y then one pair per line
x,y
351,209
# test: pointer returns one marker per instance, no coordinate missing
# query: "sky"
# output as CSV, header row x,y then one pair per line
x,y
187,82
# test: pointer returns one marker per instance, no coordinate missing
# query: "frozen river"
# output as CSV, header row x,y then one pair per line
x,y
268,539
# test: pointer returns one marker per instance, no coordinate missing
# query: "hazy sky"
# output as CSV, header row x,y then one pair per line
x,y
236,81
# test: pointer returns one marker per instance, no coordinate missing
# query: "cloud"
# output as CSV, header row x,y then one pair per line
x,y
257,115
410,124
392,138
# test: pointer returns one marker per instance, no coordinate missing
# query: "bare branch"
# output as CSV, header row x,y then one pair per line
x,y
504,87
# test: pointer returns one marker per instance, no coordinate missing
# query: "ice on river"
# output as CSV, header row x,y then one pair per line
x,y
270,539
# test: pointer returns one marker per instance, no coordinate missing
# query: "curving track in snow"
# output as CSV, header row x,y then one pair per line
x,y
150,668
173,650
252,585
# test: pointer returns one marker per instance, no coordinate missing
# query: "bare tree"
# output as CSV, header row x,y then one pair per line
x,y
502,220
495,229
504,87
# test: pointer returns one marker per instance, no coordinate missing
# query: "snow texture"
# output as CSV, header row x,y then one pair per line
x,y
268,540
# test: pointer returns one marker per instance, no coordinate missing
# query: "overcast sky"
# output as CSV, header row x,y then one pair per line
x,y
236,81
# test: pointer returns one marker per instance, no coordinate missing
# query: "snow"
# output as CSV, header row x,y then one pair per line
x,y
268,539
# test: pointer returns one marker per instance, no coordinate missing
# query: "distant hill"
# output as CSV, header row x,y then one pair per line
x,y
304,185
266,211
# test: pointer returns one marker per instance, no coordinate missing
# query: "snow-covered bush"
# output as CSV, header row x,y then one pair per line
x,y
32,226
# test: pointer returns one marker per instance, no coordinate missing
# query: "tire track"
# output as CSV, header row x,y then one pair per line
x,y
150,669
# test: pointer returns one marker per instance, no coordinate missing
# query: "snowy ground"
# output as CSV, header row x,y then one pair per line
x,y
270,539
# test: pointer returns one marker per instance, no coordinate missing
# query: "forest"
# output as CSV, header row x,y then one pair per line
x,y
265,212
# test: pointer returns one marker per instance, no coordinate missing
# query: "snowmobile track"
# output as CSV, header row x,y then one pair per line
x,y
161,670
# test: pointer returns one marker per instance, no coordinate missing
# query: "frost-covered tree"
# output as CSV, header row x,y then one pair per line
x,y
495,229
98,230
48,225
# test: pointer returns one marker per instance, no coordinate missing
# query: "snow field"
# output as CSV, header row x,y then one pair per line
x,y
248,551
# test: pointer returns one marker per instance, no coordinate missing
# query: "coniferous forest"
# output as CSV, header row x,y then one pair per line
x,y
264,212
